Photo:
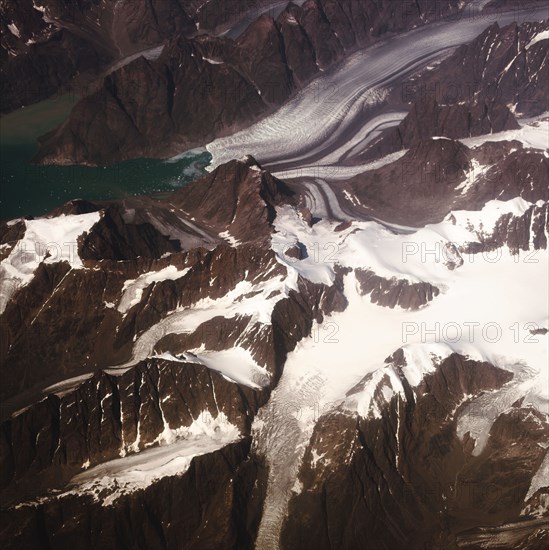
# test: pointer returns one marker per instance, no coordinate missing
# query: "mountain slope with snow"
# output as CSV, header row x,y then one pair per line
x,y
348,351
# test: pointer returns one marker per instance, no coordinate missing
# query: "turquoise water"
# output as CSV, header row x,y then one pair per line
x,y
28,189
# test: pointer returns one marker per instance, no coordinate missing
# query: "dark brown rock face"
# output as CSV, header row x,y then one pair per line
x,y
46,69
177,117
429,119
405,480
523,173
417,188
81,329
9,236
202,88
499,68
113,239
298,48
239,197
440,175
75,207
55,46
297,252
223,484
107,415
395,292
111,416
51,43
520,233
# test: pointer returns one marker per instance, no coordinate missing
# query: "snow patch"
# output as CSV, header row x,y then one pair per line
x,y
132,290
420,360
14,30
255,300
213,61
532,134
291,19
543,35
39,8
477,170
229,238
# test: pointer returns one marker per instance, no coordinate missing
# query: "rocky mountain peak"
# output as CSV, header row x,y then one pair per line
x,y
502,66
426,177
235,197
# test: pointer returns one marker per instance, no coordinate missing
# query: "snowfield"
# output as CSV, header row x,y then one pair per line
x,y
46,240
483,312
532,134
